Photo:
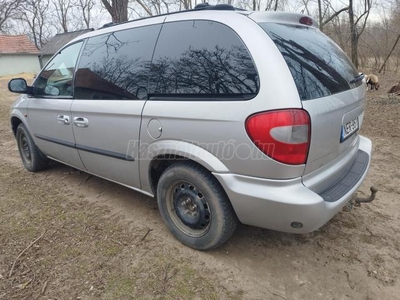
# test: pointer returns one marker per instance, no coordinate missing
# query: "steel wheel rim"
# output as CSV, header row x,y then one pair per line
x,y
25,149
188,208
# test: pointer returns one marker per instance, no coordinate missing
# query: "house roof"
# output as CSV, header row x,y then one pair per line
x,y
10,44
59,40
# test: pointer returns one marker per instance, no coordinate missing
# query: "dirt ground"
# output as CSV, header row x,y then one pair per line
x,y
67,235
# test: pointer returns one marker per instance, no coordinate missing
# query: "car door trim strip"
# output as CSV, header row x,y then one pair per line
x,y
55,141
86,148
104,152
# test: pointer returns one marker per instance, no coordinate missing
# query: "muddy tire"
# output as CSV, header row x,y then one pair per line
x,y
195,207
32,158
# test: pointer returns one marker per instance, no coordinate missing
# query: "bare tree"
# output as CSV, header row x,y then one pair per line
x,y
186,4
305,9
392,32
156,7
372,46
258,5
34,14
8,10
146,7
118,9
357,26
326,13
63,7
269,4
85,7
390,53
276,5
338,30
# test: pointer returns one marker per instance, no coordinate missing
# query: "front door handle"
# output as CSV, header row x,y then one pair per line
x,y
62,119
81,122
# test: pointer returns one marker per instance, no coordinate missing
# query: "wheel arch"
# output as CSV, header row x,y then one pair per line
x,y
16,119
158,156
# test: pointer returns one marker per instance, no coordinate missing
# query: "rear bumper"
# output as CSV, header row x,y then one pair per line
x,y
275,204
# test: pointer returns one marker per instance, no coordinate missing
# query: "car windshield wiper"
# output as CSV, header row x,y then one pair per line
x,y
357,78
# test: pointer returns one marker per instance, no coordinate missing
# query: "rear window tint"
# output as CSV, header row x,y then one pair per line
x,y
318,66
201,60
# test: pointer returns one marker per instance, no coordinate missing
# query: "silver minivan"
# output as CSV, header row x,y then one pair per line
x,y
221,114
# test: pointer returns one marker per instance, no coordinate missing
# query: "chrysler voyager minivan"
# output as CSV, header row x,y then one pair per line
x,y
223,115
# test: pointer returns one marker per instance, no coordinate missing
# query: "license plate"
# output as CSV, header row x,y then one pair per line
x,y
349,129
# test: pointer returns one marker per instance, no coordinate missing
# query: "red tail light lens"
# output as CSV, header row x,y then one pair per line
x,y
283,135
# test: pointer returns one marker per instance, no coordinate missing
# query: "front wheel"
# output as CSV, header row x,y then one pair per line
x,y
31,156
194,206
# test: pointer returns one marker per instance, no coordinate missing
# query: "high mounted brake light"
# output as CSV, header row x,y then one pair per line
x,y
283,135
306,21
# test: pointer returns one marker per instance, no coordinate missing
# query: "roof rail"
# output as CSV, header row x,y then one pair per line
x,y
206,6
108,25
198,7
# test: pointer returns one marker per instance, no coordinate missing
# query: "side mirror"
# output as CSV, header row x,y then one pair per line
x,y
18,85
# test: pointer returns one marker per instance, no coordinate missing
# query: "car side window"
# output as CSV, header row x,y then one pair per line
x,y
116,65
201,59
57,77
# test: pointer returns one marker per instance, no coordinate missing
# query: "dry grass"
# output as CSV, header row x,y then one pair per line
x,y
28,77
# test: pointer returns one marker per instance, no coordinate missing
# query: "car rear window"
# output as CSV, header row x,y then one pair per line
x,y
318,66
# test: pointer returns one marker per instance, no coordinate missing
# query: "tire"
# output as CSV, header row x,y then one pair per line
x,y
32,158
195,207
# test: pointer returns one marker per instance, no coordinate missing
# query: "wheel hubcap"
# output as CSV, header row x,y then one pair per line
x,y
191,209
25,151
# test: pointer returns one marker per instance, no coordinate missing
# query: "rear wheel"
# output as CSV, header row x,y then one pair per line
x,y
195,207
31,156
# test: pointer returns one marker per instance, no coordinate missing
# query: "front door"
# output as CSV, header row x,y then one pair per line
x,y
110,93
49,111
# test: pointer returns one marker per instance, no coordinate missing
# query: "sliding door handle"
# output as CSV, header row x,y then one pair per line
x,y
81,122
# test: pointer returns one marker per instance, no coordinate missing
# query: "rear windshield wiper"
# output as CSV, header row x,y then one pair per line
x,y
357,78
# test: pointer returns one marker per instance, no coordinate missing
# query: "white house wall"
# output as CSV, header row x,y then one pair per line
x,y
45,59
11,64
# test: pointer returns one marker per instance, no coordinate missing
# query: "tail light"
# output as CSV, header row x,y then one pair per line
x,y
283,135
